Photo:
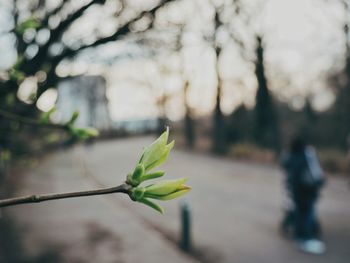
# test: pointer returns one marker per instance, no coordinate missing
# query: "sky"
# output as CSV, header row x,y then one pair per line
x,y
303,41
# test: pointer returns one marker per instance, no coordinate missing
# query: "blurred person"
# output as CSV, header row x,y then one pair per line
x,y
348,150
348,154
288,221
304,180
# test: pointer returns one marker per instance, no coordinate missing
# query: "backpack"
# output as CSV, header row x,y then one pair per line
x,y
312,176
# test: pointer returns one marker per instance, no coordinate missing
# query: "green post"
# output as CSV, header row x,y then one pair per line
x,y
185,227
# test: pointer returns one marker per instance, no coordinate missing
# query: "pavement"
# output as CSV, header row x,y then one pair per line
x,y
235,209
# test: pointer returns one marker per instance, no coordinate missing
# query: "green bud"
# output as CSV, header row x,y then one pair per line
x,y
91,132
137,193
165,187
152,205
157,153
45,117
135,178
152,175
129,178
27,24
173,195
165,190
73,118
82,133
153,156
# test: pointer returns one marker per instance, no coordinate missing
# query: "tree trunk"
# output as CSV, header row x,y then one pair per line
x,y
189,125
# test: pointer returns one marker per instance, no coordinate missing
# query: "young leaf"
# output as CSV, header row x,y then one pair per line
x,y
154,175
152,205
45,117
165,187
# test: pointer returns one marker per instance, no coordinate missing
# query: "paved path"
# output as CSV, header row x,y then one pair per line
x,y
236,209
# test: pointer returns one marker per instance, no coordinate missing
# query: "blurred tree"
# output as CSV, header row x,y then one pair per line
x,y
266,130
240,124
227,15
40,28
308,122
162,117
173,46
189,123
342,109
53,51
219,140
341,83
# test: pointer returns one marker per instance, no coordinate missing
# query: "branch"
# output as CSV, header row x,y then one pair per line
x,y
122,31
29,121
124,188
151,157
55,34
68,52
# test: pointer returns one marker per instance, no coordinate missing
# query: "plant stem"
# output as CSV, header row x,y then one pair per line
x,y
29,121
124,188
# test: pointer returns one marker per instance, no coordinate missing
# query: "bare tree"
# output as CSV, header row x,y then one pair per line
x,y
37,17
341,82
190,134
266,121
219,144
44,60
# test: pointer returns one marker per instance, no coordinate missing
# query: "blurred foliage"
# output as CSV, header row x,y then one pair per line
x,y
30,23
334,161
19,138
249,151
45,116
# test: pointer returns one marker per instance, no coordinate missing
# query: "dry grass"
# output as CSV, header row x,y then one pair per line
x,y
334,161
252,152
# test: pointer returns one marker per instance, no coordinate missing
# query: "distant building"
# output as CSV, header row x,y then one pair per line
x,y
86,94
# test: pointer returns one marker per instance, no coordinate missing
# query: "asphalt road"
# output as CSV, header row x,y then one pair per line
x,y
235,209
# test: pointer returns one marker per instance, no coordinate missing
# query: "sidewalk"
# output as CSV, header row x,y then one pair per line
x,y
236,206
89,229
235,210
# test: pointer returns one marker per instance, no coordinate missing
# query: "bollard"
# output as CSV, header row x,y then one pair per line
x,y
185,227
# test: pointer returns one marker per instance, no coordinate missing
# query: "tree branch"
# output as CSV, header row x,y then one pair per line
x,y
124,188
29,121
122,31
55,34
68,52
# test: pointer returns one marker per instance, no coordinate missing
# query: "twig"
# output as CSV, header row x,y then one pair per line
x,y
29,121
124,188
